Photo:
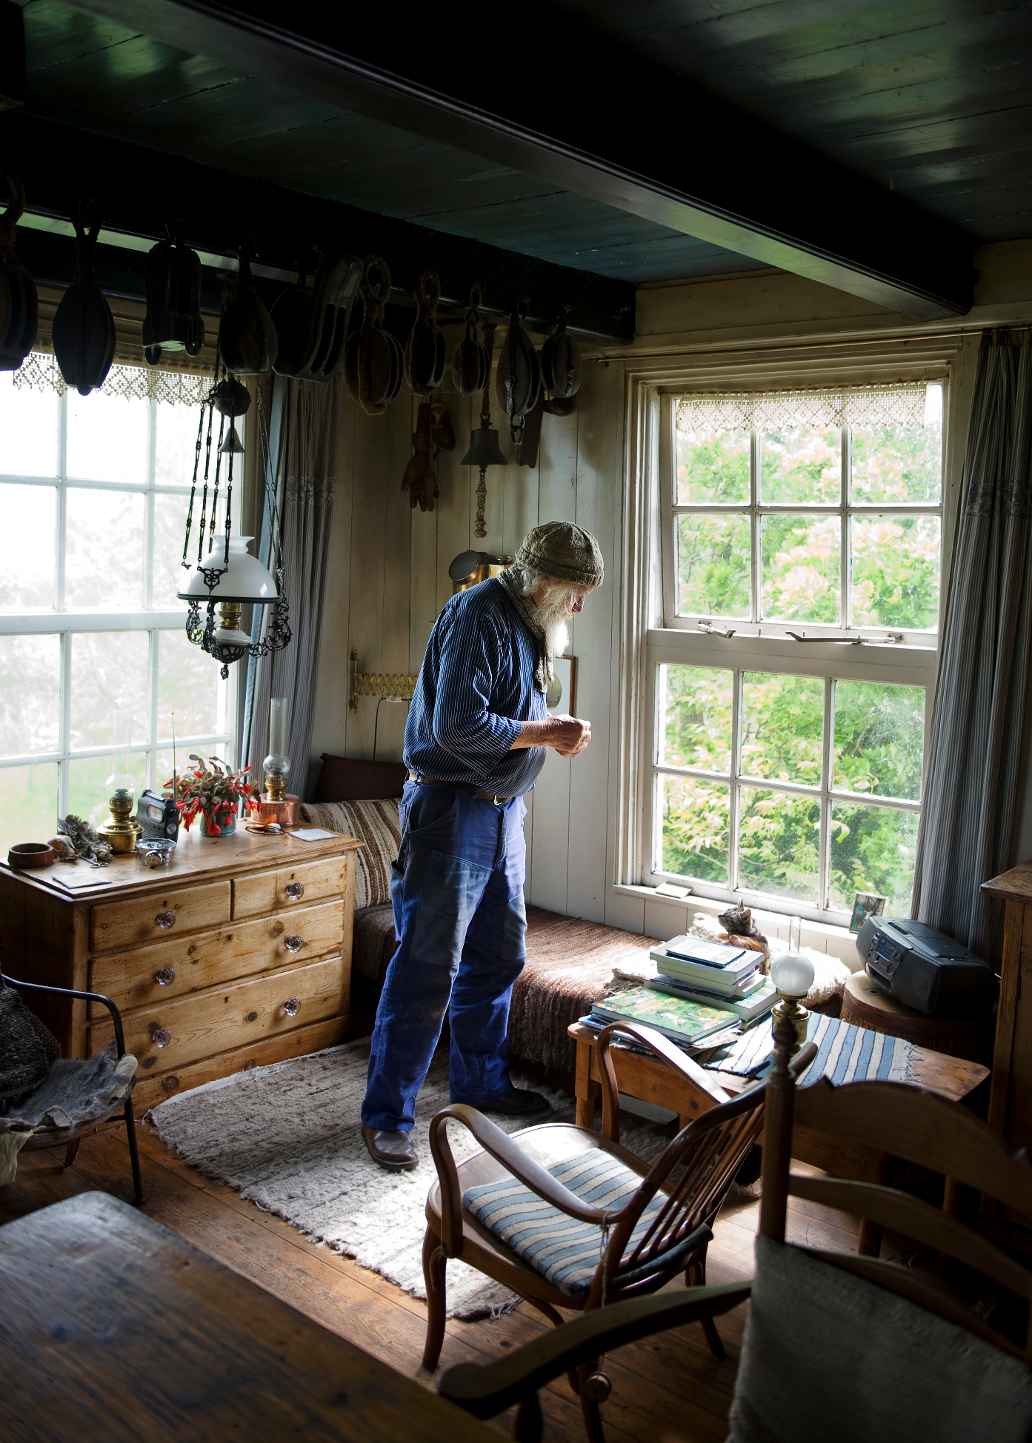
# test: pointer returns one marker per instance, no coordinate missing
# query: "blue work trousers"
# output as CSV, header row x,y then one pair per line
x,y
461,922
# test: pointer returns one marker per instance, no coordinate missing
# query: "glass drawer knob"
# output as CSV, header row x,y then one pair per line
x,y
292,1006
293,943
160,1036
295,891
165,976
165,920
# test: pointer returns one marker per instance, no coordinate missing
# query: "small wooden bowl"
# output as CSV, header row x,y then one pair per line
x,y
31,854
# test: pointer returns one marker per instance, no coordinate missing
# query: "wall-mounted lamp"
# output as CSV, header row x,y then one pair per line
x,y
385,686
469,567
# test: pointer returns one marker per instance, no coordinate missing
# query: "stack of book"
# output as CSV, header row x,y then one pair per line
x,y
715,974
685,1022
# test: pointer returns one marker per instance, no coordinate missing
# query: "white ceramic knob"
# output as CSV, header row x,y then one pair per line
x,y
792,974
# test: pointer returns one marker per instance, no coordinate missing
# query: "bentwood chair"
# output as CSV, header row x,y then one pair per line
x,y
54,1091
842,1344
569,1219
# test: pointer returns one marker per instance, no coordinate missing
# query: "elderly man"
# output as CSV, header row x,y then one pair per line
x,y
475,741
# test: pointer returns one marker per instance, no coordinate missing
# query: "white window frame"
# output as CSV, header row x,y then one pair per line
x,y
66,624
645,641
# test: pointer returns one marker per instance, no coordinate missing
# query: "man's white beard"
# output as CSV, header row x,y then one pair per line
x,y
553,619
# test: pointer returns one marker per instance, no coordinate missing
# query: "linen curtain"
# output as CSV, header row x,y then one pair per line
x,y
973,794
301,475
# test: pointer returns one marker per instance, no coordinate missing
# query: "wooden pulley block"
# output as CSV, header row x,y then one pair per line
x,y
292,316
19,303
337,284
373,363
560,363
426,353
519,370
173,321
84,328
247,334
471,360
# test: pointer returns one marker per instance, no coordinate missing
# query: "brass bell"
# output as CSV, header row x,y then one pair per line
x,y
484,449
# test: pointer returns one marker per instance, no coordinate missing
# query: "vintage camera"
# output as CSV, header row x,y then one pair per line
x,y
157,817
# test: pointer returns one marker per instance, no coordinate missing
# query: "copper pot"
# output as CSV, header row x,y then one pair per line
x,y
261,813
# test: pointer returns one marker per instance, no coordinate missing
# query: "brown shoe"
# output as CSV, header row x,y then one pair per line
x,y
390,1149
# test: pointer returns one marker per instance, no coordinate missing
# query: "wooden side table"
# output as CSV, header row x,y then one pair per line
x,y
650,1080
865,1004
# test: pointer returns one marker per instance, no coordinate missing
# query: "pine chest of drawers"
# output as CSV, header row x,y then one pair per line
x,y
239,954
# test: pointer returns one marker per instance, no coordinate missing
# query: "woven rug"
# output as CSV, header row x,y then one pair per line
x,y
288,1138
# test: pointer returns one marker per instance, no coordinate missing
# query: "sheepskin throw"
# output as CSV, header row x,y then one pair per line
x,y
377,826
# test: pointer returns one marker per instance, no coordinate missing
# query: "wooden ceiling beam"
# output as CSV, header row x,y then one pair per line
x,y
12,56
140,193
540,91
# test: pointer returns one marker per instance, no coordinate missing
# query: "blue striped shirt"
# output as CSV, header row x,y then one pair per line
x,y
476,685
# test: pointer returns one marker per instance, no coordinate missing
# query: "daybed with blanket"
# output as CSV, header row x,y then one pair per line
x,y
569,961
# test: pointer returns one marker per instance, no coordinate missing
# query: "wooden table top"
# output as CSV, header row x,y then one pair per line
x,y
196,856
950,1077
114,1329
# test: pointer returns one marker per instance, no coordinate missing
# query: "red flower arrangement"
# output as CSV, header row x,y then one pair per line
x,y
211,789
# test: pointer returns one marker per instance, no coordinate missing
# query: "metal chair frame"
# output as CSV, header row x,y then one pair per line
x,y
127,1115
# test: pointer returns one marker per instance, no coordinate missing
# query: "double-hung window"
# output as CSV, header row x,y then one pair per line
x,y
789,682
95,667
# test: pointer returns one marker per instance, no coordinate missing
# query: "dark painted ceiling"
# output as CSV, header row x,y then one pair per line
x,y
929,99
101,76
932,98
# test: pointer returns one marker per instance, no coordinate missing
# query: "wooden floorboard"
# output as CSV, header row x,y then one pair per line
x,y
665,1389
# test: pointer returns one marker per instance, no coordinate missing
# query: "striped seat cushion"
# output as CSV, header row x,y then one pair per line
x,y
563,1250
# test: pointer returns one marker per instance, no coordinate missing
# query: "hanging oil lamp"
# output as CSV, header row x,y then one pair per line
x,y
226,577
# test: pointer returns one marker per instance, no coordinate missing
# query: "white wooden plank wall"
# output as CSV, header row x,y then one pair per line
x,y
389,577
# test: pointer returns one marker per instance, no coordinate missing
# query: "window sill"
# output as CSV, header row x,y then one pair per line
x,y
822,936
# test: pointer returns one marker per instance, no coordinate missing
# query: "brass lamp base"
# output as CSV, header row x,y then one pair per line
x,y
789,1009
265,812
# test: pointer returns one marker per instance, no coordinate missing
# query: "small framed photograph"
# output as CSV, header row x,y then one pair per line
x,y
865,904
562,692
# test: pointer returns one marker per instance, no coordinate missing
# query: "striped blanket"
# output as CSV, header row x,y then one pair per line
x,y
845,1053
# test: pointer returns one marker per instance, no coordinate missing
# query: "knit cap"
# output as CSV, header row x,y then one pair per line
x,y
564,552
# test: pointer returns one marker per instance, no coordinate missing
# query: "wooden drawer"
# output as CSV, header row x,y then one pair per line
x,y
205,1023
150,1089
290,886
171,969
158,915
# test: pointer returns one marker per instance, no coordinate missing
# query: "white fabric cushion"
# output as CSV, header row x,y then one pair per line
x,y
377,826
830,1355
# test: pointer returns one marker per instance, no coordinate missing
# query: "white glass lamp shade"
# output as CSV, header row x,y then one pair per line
x,y
792,974
245,579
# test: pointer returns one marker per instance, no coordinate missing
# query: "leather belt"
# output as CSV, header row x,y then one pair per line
x,y
480,793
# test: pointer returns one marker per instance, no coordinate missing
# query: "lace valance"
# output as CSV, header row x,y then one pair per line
x,y
40,372
908,404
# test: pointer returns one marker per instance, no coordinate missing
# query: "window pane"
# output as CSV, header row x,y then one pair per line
x,y
175,443
801,466
713,566
782,727
712,466
104,550
28,518
897,463
778,843
28,804
107,438
28,430
695,708
696,828
801,560
91,781
110,688
168,574
895,571
879,738
189,685
30,682
873,849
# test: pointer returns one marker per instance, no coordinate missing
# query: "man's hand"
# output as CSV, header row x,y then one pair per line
x,y
571,735
567,735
